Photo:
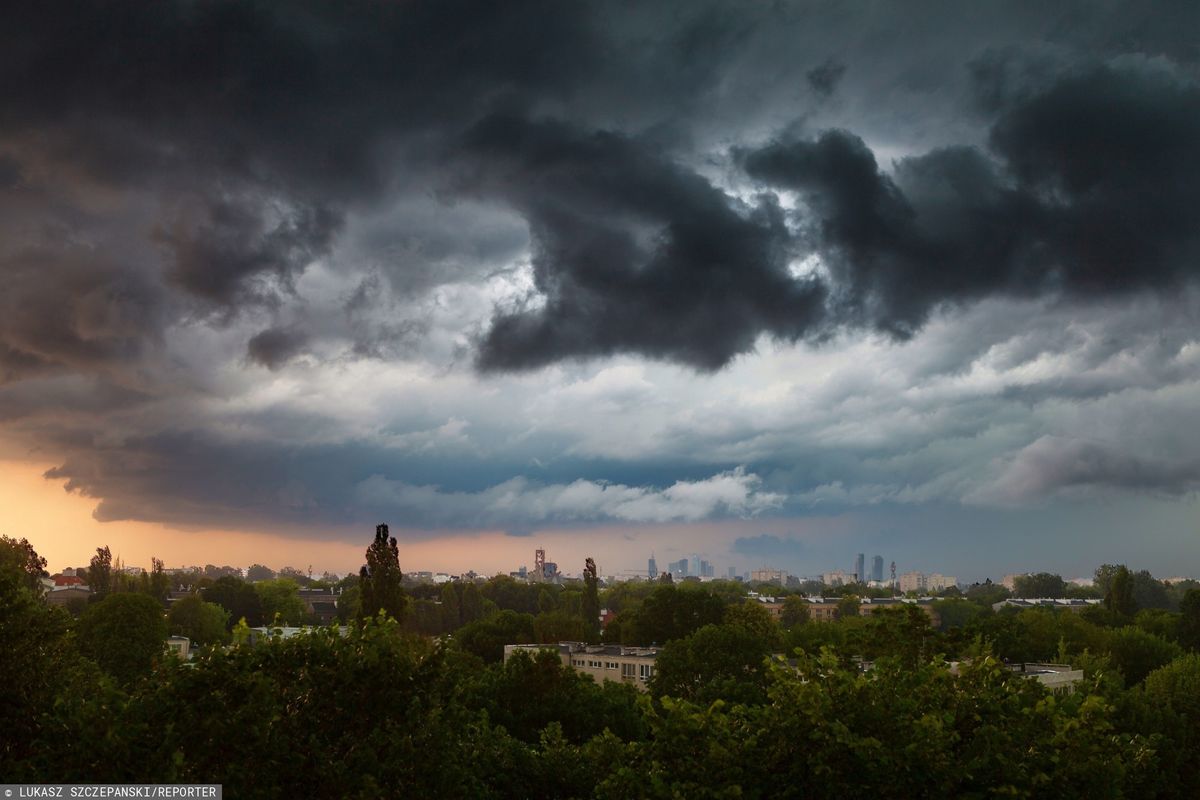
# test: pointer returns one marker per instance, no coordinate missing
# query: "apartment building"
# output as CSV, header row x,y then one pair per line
x,y
603,662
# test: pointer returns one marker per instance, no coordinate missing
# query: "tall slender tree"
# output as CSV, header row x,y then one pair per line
x,y
380,578
591,601
1119,598
100,574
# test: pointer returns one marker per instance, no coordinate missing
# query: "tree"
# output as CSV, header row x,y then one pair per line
x,y
124,633
281,601
1119,597
1039,584
486,637
1189,620
203,623
557,626
158,582
100,575
451,610
380,578
471,602
670,612
257,572
591,601
21,557
237,597
717,662
753,616
848,606
795,612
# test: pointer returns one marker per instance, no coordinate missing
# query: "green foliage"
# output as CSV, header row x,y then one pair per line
x,y
795,612
717,662
752,616
1040,584
1137,653
281,603
100,574
557,626
486,637
237,597
530,692
203,623
257,572
670,612
1118,599
1189,620
380,580
124,633
19,557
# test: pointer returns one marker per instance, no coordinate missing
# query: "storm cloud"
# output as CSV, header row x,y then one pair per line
x,y
521,264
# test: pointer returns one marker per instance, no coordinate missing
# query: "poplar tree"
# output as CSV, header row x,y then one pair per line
x,y
591,602
380,578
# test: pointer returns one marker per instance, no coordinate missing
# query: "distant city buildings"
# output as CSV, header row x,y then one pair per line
x,y
652,568
860,568
877,569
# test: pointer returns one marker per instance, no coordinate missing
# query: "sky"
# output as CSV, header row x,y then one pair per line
x,y
770,283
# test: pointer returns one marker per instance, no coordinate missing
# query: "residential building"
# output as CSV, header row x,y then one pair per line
x,y
602,662
1058,678
181,646
938,582
912,582
61,595
767,575
1053,603
836,578
825,609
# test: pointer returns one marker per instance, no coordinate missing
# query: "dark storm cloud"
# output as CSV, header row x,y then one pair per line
x,y
824,77
769,546
172,173
1094,189
274,347
632,252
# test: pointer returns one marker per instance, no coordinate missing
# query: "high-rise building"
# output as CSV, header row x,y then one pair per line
x,y
678,568
652,568
706,569
860,568
695,566
732,573
877,568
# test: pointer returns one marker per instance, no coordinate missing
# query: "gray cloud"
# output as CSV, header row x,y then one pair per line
x,y
494,230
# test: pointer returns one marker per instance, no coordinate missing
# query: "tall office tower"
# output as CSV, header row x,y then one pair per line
x,y
539,564
679,568
860,568
732,573
706,569
877,569
652,568
694,567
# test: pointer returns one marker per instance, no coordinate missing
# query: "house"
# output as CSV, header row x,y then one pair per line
x,y
61,595
181,646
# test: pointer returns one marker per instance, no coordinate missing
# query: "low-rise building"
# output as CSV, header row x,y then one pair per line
x,y
180,646
1058,678
62,595
603,662
1052,603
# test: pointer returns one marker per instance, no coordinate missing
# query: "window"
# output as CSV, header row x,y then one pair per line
x,y
610,665
645,671
628,670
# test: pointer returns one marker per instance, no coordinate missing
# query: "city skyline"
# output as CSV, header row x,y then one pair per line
x,y
774,283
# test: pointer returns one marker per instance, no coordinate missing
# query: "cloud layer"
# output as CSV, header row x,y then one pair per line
x,y
513,265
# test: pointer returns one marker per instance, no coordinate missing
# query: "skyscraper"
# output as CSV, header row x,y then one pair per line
x,y
860,568
877,568
652,568
694,568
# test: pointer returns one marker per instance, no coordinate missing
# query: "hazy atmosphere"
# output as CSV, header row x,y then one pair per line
x,y
769,283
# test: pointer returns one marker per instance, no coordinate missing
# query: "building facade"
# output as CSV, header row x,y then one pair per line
x,y
602,662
